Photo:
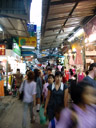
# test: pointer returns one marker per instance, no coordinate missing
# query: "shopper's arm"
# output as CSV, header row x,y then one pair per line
x,y
66,98
47,101
34,99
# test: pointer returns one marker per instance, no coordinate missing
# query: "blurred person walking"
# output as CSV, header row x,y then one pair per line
x,y
45,87
29,99
18,80
82,113
57,96
91,75
49,71
39,87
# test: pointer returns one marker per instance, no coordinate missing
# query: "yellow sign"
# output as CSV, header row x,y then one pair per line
x,y
43,55
31,41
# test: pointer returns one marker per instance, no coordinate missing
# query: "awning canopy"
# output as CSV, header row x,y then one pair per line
x,y
16,8
61,18
14,26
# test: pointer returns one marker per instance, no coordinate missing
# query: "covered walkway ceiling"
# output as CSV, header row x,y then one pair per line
x,y
14,16
16,8
14,26
61,18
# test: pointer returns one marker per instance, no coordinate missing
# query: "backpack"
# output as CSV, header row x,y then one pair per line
x,y
53,123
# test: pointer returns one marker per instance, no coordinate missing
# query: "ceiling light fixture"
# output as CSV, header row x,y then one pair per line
x,y
28,47
78,33
1,30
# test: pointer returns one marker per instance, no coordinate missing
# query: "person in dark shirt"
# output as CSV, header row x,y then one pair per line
x,y
91,75
57,96
49,71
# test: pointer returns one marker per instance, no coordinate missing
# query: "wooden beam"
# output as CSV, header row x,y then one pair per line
x,y
65,1
48,6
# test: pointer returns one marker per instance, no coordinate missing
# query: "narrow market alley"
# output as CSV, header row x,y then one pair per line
x,y
11,115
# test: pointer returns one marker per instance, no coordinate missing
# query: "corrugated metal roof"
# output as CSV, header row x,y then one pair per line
x,y
61,17
16,8
14,26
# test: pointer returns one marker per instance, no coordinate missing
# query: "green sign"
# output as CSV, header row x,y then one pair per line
x,y
16,49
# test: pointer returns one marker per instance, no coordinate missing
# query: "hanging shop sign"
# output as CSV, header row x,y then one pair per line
x,y
2,49
31,41
32,29
16,49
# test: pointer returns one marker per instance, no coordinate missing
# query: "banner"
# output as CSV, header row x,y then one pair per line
x,y
31,41
2,49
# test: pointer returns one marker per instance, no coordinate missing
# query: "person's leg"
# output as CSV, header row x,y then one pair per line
x,y
24,115
38,104
50,114
31,112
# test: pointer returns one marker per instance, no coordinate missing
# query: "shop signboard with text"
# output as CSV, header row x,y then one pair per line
x,y
2,49
16,49
32,29
31,41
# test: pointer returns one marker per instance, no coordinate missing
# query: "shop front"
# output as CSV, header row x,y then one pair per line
x,y
9,62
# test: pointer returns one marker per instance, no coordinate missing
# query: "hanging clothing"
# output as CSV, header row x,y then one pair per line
x,y
81,77
71,61
78,60
39,87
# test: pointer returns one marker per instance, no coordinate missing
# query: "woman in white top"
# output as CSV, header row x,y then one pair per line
x,y
29,87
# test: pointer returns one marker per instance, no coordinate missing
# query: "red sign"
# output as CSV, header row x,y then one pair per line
x,y
2,49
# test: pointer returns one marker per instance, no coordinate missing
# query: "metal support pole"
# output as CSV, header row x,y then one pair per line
x,y
84,54
7,75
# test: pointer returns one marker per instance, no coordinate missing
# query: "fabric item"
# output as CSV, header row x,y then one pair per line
x,y
71,61
90,81
50,123
2,88
53,123
45,90
78,60
67,75
46,78
81,77
59,67
38,107
39,87
64,79
10,80
21,96
65,60
56,99
29,91
25,110
74,71
86,119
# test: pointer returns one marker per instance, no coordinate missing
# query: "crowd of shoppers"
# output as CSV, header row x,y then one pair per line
x,y
53,90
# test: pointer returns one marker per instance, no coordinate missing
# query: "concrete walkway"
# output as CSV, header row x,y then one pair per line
x,y
11,116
